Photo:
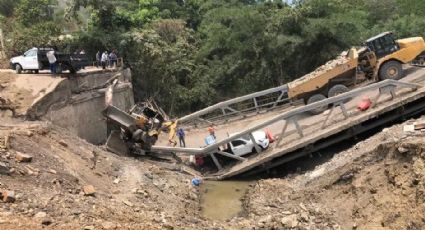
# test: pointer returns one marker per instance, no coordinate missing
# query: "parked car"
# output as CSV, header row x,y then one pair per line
x,y
35,59
244,145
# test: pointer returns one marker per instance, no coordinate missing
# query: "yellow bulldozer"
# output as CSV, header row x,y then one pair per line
x,y
381,57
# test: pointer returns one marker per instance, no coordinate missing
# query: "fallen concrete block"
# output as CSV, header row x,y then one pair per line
x,y
21,157
8,196
89,190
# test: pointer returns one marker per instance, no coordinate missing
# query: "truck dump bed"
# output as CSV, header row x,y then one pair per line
x,y
343,65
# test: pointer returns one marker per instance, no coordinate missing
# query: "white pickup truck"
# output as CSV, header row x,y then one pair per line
x,y
35,59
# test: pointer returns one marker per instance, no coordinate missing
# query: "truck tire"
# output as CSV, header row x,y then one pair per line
x,y
316,98
391,70
18,68
337,89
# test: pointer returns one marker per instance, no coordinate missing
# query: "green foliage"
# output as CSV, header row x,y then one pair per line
x,y
30,12
191,53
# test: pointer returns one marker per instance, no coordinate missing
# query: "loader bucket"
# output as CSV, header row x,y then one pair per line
x,y
116,145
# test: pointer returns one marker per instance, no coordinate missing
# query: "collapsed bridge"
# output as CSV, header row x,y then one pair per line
x,y
298,132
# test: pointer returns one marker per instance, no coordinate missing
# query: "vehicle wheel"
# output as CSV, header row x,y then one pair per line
x,y
36,71
254,150
391,70
59,69
316,98
338,89
18,69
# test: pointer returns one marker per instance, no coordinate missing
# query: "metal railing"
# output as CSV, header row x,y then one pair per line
x,y
291,116
239,107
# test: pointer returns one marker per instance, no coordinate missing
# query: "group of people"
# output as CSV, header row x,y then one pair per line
x,y
104,59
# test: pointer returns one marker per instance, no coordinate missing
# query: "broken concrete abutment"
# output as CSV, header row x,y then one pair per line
x,y
74,102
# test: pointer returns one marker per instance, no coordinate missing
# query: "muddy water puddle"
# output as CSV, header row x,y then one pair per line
x,y
222,200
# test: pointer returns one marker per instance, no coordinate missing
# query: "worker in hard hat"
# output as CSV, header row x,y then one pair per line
x,y
211,131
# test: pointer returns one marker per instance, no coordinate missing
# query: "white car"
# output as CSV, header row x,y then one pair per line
x,y
244,145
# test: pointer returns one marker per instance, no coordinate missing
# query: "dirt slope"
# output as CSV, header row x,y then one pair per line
x,y
129,193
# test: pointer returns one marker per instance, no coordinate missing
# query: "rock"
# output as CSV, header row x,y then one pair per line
x,y
89,190
89,227
8,196
40,215
402,150
21,157
286,212
290,221
304,217
128,203
63,143
46,221
116,181
4,169
108,225
52,171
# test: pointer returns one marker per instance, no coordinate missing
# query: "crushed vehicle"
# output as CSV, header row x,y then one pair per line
x,y
244,145
35,59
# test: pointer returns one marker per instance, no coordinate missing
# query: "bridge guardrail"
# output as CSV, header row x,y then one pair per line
x,y
385,87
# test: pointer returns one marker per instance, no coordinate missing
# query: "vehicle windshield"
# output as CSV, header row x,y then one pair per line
x,y
30,53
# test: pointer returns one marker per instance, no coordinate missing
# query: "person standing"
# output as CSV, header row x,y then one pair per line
x,y
181,135
52,61
104,59
113,59
211,130
98,54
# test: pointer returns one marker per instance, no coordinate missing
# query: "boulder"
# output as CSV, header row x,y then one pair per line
x,y
89,190
8,196
21,157
4,169
290,221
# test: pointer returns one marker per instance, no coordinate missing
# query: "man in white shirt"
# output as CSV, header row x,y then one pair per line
x,y
52,60
104,59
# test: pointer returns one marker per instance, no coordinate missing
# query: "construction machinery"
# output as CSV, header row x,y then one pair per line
x,y
381,57
137,130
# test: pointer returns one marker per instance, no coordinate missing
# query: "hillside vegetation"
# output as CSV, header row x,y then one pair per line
x,y
192,53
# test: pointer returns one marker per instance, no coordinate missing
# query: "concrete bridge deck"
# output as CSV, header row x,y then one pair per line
x,y
313,132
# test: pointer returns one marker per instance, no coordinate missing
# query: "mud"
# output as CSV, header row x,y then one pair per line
x,y
222,200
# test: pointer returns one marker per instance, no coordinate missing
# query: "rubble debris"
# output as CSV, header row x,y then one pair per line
x,y
290,221
63,143
8,196
128,203
4,169
89,190
21,157
40,215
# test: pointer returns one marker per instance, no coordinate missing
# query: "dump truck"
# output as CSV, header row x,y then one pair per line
x,y
381,57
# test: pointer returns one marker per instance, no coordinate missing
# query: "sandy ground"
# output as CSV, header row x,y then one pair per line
x,y
376,184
